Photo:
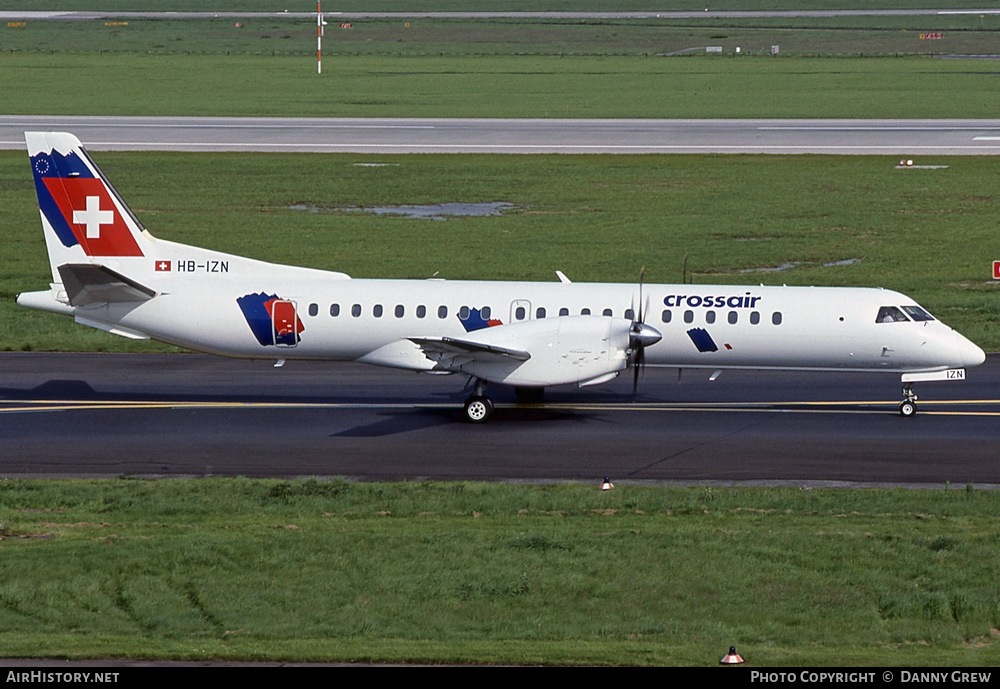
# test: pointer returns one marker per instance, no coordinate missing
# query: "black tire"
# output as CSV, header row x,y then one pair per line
x,y
478,409
907,409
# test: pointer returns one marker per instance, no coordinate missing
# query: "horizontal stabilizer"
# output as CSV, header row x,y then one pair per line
x,y
439,348
90,283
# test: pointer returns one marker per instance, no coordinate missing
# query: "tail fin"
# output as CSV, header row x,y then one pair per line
x,y
83,217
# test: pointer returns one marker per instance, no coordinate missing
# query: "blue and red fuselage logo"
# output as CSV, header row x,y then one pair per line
x,y
475,321
272,319
79,207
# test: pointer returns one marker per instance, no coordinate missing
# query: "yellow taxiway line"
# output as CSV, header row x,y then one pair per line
x,y
802,407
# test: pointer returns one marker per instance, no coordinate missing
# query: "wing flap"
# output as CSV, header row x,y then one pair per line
x,y
453,352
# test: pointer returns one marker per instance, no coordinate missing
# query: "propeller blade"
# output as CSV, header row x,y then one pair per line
x,y
636,366
640,335
642,273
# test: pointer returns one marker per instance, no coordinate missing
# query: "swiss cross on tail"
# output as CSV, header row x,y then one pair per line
x,y
77,204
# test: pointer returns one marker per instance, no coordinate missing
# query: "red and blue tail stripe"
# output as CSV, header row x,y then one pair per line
x,y
79,206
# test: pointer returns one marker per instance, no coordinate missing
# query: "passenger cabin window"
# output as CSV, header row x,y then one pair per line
x,y
918,314
313,309
442,312
486,312
733,317
689,316
519,313
377,311
754,317
421,311
629,315
710,317
776,318
666,315
890,314
608,312
400,310
463,312
334,310
564,311
356,310
585,312
540,312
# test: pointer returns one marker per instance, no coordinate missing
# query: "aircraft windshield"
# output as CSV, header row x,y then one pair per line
x,y
917,313
891,314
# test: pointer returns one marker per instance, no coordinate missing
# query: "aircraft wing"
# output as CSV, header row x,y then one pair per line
x,y
451,352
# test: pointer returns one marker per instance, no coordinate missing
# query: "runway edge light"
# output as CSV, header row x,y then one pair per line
x,y
731,658
607,485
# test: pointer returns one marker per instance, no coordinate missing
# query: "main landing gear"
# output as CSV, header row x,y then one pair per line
x,y
478,408
908,407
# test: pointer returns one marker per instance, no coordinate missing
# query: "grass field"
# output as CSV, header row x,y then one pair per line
x,y
967,34
529,86
504,67
929,233
477,573
466,5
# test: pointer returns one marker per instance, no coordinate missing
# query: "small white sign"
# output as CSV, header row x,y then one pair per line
x,y
950,374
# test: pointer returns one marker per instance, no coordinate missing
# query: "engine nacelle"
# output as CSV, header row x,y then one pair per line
x,y
568,349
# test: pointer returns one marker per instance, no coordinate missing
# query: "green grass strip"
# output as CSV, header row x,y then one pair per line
x,y
467,6
963,33
497,573
529,86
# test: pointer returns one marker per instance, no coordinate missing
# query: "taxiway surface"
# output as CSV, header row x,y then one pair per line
x,y
193,415
903,138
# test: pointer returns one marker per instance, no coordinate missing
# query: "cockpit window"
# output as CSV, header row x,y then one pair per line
x,y
918,314
890,314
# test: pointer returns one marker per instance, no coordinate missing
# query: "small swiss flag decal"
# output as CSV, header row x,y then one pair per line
x,y
163,266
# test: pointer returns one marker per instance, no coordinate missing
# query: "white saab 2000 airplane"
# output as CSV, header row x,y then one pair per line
x,y
108,272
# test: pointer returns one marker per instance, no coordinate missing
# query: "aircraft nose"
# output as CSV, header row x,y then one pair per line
x,y
972,354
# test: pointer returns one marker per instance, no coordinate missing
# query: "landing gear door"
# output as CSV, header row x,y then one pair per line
x,y
285,323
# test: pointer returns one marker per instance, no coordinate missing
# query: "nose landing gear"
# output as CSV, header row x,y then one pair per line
x,y
908,407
